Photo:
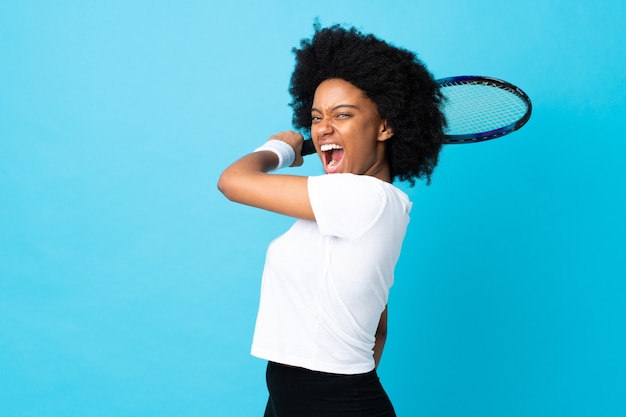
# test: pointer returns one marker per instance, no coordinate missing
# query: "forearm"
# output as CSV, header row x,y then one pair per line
x,y
379,345
233,180
381,337
248,182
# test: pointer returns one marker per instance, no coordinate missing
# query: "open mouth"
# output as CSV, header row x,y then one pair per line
x,y
332,156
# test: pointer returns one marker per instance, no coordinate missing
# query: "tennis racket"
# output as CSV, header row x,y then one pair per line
x,y
477,109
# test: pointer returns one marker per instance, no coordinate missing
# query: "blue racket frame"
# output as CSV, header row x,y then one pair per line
x,y
493,82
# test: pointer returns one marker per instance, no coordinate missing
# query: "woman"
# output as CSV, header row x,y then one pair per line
x,y
373,112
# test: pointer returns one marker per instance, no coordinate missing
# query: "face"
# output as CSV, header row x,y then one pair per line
x,y
347,130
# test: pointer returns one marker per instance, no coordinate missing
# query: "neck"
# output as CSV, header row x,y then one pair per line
x,y
381,169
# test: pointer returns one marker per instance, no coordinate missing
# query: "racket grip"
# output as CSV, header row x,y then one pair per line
x,y
307,147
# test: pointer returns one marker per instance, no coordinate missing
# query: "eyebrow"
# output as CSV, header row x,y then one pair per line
x,y
350,106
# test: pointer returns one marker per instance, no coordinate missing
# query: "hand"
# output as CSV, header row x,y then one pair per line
x,y
295,140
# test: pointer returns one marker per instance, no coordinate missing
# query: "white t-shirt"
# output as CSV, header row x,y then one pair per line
x,y
326,283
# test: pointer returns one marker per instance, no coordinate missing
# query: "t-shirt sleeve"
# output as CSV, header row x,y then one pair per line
x,y
346,205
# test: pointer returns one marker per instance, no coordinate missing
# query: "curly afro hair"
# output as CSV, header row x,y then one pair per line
x,y
403,89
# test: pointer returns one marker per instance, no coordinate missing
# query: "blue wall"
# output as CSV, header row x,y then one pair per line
x,y
129,285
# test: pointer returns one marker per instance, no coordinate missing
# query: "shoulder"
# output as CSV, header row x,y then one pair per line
x,y
349,181
348,202
355,186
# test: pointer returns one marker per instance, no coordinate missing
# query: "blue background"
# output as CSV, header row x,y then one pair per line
x,y
129,285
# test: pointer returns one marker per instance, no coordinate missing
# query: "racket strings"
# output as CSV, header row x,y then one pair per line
x,y
479,107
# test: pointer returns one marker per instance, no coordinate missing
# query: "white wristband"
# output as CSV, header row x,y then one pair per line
x,y
284,151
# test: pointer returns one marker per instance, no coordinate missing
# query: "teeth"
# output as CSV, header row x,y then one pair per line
x,y
329,147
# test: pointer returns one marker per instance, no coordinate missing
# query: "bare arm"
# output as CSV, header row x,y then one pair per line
x,y
381,337
247,181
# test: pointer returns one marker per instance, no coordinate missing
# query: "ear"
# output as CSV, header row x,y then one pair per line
x,y
385,132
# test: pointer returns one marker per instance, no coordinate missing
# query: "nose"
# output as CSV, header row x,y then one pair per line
x,y
323,127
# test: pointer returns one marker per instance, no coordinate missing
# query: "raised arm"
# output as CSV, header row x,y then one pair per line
x,y
247,181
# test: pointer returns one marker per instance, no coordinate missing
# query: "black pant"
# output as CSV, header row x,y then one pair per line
x,y
297,392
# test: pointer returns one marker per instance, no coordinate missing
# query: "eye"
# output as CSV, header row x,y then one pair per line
x,y
315,119
342,115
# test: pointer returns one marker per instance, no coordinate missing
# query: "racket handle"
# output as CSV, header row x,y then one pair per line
x,y
307,147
